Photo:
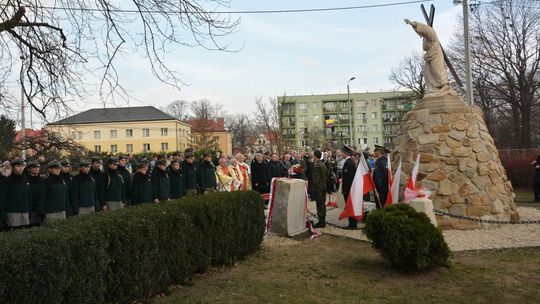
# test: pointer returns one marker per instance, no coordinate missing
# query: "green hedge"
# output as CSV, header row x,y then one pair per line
x,y
131,254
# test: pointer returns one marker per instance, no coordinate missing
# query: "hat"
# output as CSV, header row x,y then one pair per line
x,y
161,162
188,150
384,149
16,161
121,157
84,163
174,161
112,160
348,149
33,164
96,159
142,164
176,153
188,155
54,164
65,162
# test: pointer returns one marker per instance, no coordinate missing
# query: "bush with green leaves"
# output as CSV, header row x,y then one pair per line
x,y
407,239
128,255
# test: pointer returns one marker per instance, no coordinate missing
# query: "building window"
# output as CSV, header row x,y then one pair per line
x,y
97,148
216,140
374,128
164,146
80,134
113,134
97,134
146,133
361,104
146,147
129,132
376,140
315,104
387,140
315,117
114,148
73,135
374,115
164,131
302,106
362,128
374,102
129,148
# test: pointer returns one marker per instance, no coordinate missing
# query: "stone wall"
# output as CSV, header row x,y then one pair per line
x,y
460,159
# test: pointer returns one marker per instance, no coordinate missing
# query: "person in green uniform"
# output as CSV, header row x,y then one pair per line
x,y
161,183
207,174
96,171
37,197
113,187
189,171
17,196
56,193
177,179
126,175
320,176
85,198
68,179
141,190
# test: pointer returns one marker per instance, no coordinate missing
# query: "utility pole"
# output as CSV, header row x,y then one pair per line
x,y
350,112
23,128
468,56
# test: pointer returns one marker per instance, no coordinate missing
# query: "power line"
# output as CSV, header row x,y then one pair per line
x,y
237,12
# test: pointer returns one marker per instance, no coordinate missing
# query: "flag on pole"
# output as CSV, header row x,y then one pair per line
x,y
389,172
393,194
411,183
362,184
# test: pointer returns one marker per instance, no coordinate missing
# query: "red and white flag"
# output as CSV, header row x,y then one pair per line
x,y
393,193
362,184
411,183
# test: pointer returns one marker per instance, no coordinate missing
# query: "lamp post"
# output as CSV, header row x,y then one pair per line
x,y
23,127
350,111
467,37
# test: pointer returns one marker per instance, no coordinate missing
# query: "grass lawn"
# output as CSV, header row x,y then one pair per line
x,y
331,269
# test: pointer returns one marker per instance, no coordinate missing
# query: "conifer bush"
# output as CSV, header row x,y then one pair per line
x,y
407,239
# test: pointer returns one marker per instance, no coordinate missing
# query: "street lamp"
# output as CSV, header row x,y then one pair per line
x,y
350,111
466,35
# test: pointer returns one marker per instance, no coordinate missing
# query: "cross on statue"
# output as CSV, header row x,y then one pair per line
x,y
429,20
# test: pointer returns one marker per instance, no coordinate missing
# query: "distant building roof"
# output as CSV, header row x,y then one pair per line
x,y
29,133
208,126
145,113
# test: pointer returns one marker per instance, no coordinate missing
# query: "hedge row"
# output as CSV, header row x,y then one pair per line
x,y
131,254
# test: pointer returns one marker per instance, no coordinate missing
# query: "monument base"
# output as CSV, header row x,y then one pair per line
x,y
289,207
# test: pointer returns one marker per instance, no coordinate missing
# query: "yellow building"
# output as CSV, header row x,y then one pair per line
x,y
125,130
211,134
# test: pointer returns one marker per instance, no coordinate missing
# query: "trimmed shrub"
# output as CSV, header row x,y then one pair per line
x,y
130,254
407,239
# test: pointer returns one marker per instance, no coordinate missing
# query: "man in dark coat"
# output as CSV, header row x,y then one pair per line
x,y
96,171
114,195
161,183
56,193
189,171
126,176
207,174
320,177
68,179
349,170
260,174
85,198
275,167
141,190
17,196
536,165
177,179
380,174
37,198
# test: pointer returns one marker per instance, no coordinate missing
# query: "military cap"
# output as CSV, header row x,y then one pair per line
x,y
96,159
161,162
16,161
33,164
65,162
381,148
188,155
142,164
176,153
174,161
348,149
54,164
112,160
84,163
206,154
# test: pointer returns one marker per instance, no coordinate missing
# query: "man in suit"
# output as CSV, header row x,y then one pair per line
x,y
349,170
380,173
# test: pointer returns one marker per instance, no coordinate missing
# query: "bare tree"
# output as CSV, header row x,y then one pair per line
x,y
177,109
53,146
242,131
205,115
409,75
67,44
267,117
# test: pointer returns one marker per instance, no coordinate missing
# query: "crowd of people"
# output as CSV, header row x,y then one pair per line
x,y
38,191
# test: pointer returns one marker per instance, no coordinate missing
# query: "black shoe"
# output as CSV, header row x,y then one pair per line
x,y
320,224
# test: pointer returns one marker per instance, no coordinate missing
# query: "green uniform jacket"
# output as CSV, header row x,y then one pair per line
x,y
113,187
68,179
161,185
85,192
141,190
177,183
320,176
37,198
189,171
207,176
127,180
98,178
56,194
2,199
17,194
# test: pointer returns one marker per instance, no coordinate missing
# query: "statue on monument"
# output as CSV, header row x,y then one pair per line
x,y
435,73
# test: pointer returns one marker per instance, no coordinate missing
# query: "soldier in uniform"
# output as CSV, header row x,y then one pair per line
x,y
320,179
113,187
17,196
207,174
37,188
331,167
349,170
380,173
85,198
126,176
96,171
141,190
189,171
177,179
68,179
161,183
56,193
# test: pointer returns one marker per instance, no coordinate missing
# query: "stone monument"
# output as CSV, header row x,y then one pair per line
x,y
456,150
289,207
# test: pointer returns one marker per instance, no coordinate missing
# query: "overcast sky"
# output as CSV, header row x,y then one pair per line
x,y
294,53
